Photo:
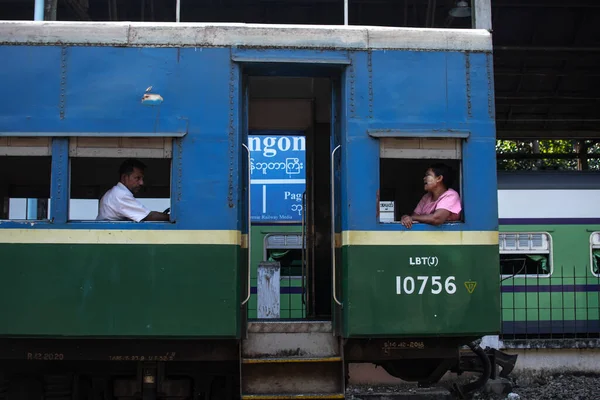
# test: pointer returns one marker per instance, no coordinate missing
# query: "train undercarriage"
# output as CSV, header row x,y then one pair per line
x,y
273,364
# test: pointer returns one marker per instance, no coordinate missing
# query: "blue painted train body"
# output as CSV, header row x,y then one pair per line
x,y
184,93
96,90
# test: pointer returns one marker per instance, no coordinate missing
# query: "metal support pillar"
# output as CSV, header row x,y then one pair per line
x,y
481,14
346,12
38,12
50,10
178,11
582,149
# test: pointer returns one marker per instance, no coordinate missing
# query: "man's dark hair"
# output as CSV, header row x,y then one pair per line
x,y
128,166
445,171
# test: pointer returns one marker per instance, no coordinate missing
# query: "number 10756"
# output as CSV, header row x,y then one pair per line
x,y
422,284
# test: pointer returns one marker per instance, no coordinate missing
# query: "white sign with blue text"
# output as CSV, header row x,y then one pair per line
x,y
277,167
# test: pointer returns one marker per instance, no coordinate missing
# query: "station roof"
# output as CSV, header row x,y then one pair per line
x,y
546,52
547,68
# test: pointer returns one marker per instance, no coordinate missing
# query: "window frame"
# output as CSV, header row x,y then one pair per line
x,y
58,149
298,247
458,138
594,246
73,148
28,146
550,254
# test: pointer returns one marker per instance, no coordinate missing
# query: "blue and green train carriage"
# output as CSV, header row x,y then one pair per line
x,y
123,309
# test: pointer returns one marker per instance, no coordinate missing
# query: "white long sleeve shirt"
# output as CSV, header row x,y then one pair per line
x,y
118,204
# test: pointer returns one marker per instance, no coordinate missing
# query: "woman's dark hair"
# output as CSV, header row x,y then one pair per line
x,y
440,169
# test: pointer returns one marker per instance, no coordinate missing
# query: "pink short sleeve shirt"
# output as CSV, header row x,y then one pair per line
x,y
449,200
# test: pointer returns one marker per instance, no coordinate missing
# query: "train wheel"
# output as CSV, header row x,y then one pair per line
x,y
223,388
25,388
427,371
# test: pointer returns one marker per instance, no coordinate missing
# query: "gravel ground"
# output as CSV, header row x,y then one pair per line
x,y
571,387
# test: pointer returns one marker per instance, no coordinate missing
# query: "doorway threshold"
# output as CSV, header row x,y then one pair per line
x,y
287,326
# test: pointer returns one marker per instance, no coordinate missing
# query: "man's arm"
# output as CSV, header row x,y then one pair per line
x,y
156,216
132,209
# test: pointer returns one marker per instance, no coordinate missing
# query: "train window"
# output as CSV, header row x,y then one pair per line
x,y
595,253
525,254
25,163
403,162
287,250
94,169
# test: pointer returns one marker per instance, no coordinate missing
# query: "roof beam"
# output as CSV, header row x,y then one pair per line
x,y
545,94
542,72
547,100
536,156
547,120
564,49
546,3
504,134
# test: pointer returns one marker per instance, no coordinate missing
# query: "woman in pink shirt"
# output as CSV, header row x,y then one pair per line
x,y
440,203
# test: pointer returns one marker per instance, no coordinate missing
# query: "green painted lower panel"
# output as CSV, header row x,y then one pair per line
x,y
560,305
564,301
120,290
421,290
291,306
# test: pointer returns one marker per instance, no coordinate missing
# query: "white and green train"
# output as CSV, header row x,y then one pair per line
x,y
549,253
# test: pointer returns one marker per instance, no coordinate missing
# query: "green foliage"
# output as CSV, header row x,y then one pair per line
x,y
594,150
535,155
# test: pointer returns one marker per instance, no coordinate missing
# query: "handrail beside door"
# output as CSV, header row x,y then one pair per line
x,y
248,235
303,251
333,225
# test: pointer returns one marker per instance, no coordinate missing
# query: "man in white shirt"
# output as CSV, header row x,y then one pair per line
x,y
119,204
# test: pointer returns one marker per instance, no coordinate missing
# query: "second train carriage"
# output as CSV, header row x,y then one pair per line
x,y
549,253
166,304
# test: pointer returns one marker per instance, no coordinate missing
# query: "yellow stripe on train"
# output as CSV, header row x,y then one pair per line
x,y
124,236
234,237
412,238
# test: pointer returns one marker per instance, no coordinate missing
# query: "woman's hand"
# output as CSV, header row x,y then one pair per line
x,y
407,221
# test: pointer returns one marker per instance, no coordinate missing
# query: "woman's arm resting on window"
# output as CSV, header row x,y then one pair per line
x,y
437,218
407,221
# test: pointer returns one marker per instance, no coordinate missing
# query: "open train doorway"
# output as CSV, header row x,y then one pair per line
x,y
291,133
